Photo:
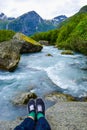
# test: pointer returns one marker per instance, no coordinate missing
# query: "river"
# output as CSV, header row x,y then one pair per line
x,y
42,74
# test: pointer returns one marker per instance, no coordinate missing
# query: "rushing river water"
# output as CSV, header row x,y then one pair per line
x,y
42,74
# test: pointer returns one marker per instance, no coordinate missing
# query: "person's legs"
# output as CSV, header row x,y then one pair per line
x,y
29,122
42,123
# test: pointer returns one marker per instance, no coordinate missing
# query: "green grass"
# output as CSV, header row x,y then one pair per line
x,y
6,35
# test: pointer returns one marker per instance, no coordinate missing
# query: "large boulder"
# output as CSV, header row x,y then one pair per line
x,y
68,116
28,45
9,55
61,116
10,50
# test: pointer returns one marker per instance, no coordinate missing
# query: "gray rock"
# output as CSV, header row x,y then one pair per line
x,y
49,54
68,116
59,97
10,50
44,42
9,55
27,45
62,116
67,52
9,125
23,98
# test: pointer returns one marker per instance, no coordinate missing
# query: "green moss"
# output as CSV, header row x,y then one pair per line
x,y
30,40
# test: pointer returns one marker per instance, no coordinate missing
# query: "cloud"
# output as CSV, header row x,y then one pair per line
x,y
45,8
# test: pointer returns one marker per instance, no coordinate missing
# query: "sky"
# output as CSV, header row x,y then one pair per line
x,y
47,9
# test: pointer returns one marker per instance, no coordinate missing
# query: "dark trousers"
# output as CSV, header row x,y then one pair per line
x,y
30,124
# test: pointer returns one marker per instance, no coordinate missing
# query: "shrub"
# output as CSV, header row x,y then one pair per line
x,y
6,35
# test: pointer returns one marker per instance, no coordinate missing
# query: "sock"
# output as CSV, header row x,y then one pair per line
x,y
32,114
39,115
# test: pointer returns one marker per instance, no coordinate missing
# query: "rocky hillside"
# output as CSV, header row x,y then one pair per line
x,y
4,20
29,23
58,19
3,16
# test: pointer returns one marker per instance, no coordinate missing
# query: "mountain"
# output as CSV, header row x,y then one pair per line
x,y
58,19
3,16
83,9
4,20
72,34
30,23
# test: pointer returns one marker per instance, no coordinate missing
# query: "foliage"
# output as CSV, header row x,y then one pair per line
x,y
6,35
50,36
72,34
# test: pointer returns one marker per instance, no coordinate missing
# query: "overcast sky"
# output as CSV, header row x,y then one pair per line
x,y
47,9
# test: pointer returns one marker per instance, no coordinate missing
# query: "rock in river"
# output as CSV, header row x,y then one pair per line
x,y
27,45
23,98
9,55
10,50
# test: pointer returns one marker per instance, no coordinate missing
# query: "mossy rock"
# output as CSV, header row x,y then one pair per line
x,y
60,97
67,52
28,45
23,98
49,54
20,37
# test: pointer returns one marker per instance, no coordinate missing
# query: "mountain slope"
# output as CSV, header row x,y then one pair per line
x,y
72,34
83,9
29,23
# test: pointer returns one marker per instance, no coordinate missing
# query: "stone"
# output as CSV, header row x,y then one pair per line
x,y
44,42
9,55
59,97
23,98
10,50
48,54
67,52
68,116
27,45
61,116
